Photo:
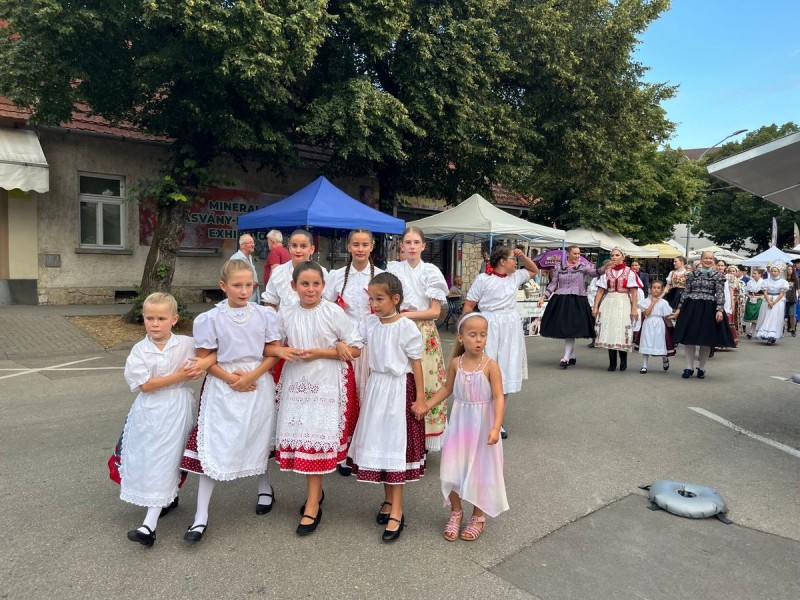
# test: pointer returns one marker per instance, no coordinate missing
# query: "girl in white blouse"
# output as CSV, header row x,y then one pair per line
x,y
424,291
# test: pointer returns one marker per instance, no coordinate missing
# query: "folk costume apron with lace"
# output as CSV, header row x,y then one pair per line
x,y
421,284
317,399
614,327
234,430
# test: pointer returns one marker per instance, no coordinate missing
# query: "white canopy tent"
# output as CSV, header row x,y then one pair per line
x,y
479,218
770,171
768,257
719,253
605,239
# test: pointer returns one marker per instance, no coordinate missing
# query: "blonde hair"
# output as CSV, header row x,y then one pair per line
x,y
232,266
458,347
162,298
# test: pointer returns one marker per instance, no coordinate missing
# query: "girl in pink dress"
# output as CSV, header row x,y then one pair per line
x,y
472,454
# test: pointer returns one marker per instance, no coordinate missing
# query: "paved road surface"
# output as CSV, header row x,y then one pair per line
x,y
581,442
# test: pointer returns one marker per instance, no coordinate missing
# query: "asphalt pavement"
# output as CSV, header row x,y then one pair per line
x,y
581,442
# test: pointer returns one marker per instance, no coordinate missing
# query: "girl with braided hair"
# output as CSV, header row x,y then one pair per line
x,y
347,287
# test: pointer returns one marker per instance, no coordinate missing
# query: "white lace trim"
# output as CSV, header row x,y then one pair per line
x,y
149,501
434,443
296,405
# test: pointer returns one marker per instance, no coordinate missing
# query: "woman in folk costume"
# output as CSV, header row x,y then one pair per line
x,y
700,317
348,287
722,267
424,292
754,300
676,282
568,316
618,290
773,309
495,292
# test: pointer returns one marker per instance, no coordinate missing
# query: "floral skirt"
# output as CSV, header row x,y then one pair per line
x,y
433,376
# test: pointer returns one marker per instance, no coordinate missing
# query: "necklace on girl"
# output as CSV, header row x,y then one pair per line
x,y
239,315
394,314
468,374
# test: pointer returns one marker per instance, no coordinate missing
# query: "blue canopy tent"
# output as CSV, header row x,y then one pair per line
x,y
320,204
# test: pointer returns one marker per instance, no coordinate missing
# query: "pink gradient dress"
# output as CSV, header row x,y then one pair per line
x,y
470,467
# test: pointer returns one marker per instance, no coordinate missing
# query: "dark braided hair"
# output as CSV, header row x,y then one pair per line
x,y
350,260
391,284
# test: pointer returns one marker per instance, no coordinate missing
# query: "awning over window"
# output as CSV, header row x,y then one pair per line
x,y
771,171
22,162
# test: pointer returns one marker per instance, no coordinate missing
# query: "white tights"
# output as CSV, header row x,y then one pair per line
x,y
205,488
569,348
689,351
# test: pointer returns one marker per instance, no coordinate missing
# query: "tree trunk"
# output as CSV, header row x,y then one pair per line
x,y
159,268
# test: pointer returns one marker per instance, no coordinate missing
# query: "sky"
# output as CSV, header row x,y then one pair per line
x,y
737,63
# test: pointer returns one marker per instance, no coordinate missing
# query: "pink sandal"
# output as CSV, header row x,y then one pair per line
x,y
453,525
471,531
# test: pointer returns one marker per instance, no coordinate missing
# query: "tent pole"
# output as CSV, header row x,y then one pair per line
x,y
491,241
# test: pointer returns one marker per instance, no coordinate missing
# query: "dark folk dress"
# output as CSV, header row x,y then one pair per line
x,y
697,324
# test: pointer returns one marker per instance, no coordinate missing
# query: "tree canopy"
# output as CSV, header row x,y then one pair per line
x,y
730,216
216,78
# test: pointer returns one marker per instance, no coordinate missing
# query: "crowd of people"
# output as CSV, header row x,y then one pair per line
x,y
344,370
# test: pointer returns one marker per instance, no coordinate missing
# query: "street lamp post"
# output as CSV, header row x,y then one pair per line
x,y
692,211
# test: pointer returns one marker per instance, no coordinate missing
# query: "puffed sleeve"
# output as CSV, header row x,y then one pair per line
x,y
272,328
270,293
204,331
332,284
644,304
602,281
344,327
435,285
522,276
669,277
366,326
475,292
412,341
137,372
632,281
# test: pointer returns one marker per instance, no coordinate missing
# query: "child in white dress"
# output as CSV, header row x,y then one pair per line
x,y
472,456
279,292
773,309
317,397
424,293
389,441
654,338
235,426
159,368
347,287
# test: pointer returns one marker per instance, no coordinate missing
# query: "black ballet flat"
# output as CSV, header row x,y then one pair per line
x,y
145,539
391,536
563,364
701,374
193,535
166,509
382,518
573,361
344,470
687,373
262,509
321,500
308,529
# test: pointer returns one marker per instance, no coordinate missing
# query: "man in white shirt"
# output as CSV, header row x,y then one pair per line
x,y
247,246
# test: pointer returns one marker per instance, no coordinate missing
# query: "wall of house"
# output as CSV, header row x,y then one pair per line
x,y
78,276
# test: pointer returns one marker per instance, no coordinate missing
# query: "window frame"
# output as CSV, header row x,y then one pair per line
x,y
99,200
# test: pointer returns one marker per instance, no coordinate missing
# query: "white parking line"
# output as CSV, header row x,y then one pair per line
x,y
74,362
779,378
788,449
